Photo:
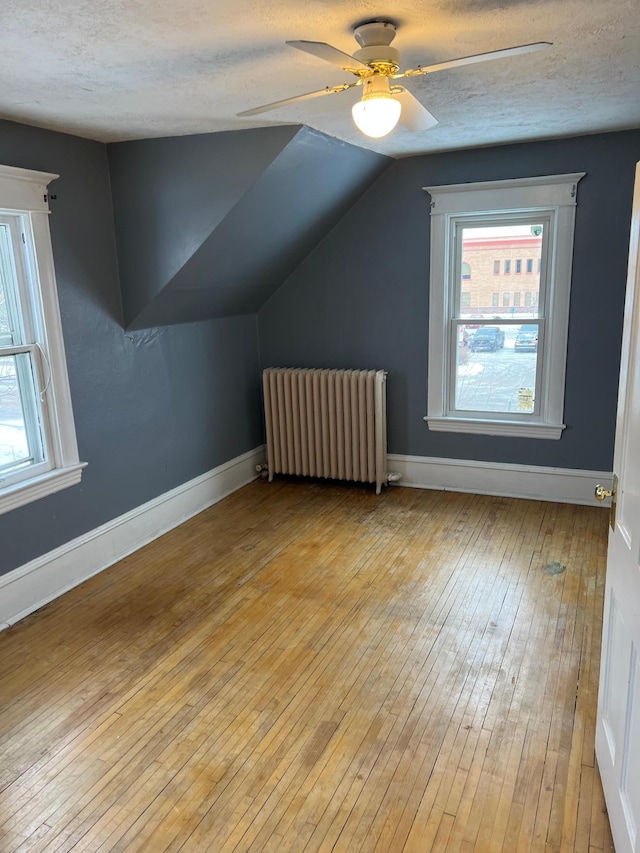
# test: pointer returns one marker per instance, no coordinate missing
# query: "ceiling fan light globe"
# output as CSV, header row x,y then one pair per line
x,y
376,115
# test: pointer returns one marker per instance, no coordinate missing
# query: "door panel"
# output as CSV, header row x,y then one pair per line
x,y
631,771
616,672
618,723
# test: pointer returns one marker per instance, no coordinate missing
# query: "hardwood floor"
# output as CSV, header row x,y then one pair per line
x,y
308,667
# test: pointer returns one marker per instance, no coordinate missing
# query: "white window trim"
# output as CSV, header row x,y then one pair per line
x,y
551,193
25,192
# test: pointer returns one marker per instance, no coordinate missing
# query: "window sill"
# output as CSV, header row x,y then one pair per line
x,y
516,429
23,493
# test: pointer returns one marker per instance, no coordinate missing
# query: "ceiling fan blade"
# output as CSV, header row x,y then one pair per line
x,y
471,60
329,90
329,54
414,116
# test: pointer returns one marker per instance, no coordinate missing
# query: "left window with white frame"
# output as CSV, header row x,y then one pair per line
x,y
38,447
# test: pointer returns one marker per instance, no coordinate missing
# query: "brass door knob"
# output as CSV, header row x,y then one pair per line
x,y
602,494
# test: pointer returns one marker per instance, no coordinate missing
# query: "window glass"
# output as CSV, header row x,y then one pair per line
x,y
507,267
479,243
496,267
6,326
10,319
496,367
493,375
21,440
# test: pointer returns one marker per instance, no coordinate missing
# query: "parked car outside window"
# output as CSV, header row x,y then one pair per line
x,y
527,338
489,338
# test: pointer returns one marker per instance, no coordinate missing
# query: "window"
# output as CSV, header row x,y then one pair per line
x,y
509,379
505,299
507,267
516,299
539,262
530,265
465,300
495,300
38,450
466,271
496,267
518,267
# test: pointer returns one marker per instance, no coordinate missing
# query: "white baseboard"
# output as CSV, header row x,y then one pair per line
x,y
563,485
29,587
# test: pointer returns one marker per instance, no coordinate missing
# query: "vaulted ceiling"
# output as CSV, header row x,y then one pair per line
x,y
116,70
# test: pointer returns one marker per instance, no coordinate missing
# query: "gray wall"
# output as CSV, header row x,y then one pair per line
x,y
170,194
361,298
211,225
153,409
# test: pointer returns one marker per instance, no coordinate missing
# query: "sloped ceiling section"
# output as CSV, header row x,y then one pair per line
x,y
211,225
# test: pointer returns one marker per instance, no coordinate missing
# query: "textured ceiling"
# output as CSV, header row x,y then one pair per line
x,y
118,69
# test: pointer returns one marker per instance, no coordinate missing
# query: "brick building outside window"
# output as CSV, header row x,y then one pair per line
x,y
487,256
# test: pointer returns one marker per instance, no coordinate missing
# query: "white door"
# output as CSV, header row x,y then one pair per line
x,y
618,725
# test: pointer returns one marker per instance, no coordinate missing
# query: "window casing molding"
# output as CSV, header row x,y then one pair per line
x,y
550,198
24,202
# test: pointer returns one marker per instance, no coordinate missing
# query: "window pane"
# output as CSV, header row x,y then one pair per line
x,y
9,313
479,247
20,433
6,336
496,368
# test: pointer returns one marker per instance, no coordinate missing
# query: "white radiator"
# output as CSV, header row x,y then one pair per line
x,y
327,423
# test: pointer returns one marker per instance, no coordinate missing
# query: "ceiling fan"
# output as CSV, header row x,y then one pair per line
x,y
375,64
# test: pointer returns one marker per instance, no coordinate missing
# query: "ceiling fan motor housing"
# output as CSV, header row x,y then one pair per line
x,y
374,33
378,54
375,39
